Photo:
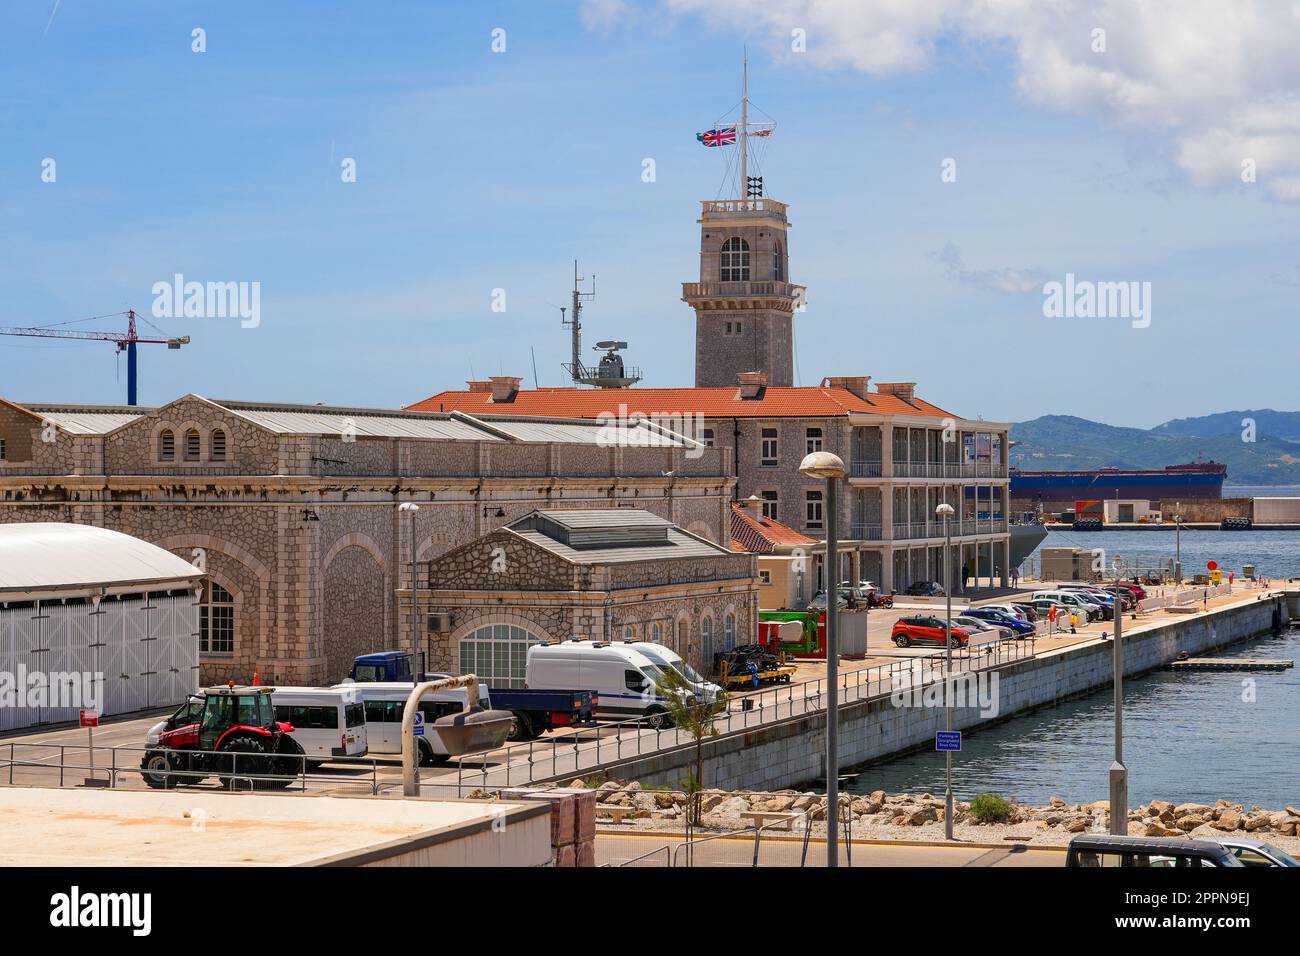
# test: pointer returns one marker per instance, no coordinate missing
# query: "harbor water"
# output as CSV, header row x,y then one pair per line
x,y
1195,736
1274,553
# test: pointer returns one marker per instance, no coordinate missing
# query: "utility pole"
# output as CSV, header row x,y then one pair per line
x,y
1118,772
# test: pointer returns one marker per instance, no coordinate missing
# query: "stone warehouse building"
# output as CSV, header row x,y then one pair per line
x,y
620,574
292,510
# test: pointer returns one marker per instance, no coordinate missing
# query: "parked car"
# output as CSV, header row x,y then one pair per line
x,y
1106,606
978,627
1030,612
1001,618
924,589
861,585
1107,597
1137,590
1098,850
1044,608
1254,852
861,598
924,629
1072,601
703,688
1010,609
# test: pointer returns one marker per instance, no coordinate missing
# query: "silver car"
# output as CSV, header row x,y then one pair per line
x,y
1254,852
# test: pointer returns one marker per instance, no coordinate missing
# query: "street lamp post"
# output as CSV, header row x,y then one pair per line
x,y
822,464
1118,772
410,507
944,511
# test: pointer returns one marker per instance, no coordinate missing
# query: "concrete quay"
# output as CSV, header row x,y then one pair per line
x,y
789,752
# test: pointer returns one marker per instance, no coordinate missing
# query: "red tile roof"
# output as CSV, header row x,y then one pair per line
x,y
753,533
801,402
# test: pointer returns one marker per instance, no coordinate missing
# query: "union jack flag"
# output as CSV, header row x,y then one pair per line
x,y
722,136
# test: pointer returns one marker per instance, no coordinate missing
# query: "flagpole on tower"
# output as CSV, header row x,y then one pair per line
x,y
744,130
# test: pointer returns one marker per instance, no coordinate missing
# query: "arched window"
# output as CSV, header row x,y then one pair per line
x,y
657,632
629,633
778,264
217,445
729,632
706,642
193,444
497,654
683,636
216,620
167,445
735,260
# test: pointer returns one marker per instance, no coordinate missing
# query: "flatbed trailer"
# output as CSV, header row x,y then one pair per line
x,y
777,675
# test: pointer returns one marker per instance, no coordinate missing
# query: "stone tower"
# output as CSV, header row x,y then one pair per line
x,y
744,302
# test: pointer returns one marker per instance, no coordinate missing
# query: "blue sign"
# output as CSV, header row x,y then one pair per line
x,y
418,730
947,740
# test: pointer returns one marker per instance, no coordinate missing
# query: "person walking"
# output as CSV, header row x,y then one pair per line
x,y
1015,576
1074,622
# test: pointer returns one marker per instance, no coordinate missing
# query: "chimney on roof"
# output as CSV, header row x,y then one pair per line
x,y
504,387
857,384
752,384
479,385
904,390
751,503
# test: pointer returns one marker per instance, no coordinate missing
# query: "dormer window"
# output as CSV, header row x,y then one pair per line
x,y
167,445
735,260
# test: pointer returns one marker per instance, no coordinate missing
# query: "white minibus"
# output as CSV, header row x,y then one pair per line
x,y
327,721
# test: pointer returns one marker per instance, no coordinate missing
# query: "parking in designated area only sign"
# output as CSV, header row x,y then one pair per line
x,y
947,740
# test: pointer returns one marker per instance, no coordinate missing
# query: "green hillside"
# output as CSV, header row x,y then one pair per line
x,y
1065,442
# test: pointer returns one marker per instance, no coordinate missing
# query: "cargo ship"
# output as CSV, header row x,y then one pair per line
x,y
1192,481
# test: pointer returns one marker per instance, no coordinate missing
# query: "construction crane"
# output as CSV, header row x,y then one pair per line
x,y
125,341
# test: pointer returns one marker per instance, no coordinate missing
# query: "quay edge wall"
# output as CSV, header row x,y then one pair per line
x,y
790,753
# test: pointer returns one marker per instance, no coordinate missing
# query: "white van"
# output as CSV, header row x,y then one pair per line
x,y
623,679
667,657
1087,610
327,721
384,704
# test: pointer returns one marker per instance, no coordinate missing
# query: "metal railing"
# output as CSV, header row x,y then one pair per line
x,y
610,744
866,531
231,776
582,751
865,469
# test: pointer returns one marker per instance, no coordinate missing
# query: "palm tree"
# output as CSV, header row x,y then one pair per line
x,y
691,713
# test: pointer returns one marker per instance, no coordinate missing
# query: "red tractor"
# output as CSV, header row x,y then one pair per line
x,y
235,735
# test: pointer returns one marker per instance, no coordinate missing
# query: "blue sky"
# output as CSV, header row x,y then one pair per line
x,y
478,171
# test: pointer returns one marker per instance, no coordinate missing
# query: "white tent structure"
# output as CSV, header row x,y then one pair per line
x,y
92,618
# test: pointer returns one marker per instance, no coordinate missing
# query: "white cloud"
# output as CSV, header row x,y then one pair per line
x,y
1010,281
1219,78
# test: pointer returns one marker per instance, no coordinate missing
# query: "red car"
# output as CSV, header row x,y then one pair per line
x,y
1136,590
924,629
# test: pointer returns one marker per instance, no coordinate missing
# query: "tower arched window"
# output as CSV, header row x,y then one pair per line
x,y
167,445
735,260
778,263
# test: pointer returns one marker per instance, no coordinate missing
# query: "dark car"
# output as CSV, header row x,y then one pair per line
x,y
925,589
1030,612
1097,850
924,629
1002,619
